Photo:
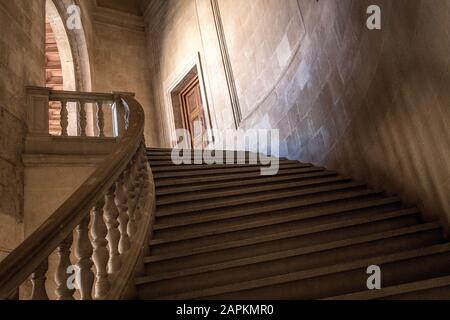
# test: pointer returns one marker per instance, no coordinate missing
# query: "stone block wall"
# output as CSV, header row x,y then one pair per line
x,y
21,63
170,55
371,104
121,64
261,38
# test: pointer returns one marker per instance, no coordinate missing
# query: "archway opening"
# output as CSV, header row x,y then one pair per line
x,y
59,69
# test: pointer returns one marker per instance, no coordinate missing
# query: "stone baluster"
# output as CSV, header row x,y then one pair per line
x,y
112,216
38,279
82,118
64,118
142,183
146,182
139,173
84,253
100,257
100,119
132,198
121,116
122,204
139,193
63,291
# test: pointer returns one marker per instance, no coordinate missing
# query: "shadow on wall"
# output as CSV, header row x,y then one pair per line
x,y
375,105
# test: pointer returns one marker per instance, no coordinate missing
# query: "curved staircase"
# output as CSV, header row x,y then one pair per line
x,y
226,232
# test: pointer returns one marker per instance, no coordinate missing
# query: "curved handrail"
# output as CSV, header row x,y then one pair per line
x,y
35,250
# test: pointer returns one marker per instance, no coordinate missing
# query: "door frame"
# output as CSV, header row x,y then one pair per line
x,y
178,83
184,112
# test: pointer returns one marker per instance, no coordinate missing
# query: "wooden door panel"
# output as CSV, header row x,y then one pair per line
x,y
192,102
193,112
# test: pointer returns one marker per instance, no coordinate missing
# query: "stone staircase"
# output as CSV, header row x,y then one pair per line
x,y
226,232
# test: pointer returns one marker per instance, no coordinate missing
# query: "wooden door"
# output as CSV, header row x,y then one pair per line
x,y
194,113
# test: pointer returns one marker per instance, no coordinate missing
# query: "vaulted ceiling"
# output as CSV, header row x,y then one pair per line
x,y
136,7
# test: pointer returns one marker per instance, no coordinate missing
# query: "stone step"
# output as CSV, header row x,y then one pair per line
x,y
161,156
169,150
274,221
397,268
228,232
293,252
386,221
168,165
188,181
155,154
434,289
209,170
293,260
261,198
317,214
437,288
242,190
254,209
194,189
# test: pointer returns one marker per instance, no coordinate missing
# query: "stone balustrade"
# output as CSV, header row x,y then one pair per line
x,y
103,239
98,234
82,114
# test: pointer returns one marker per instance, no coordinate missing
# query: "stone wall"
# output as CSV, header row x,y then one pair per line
x,y
167,61
121,64
21,64
371,104
274,28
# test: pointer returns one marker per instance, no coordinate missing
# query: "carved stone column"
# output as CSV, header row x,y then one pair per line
x,y
64,118
84,253
100,256
38,279
63,292
122,205
112,216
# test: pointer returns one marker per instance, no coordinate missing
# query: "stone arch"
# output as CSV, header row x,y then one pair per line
x,y
75,58
72,44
